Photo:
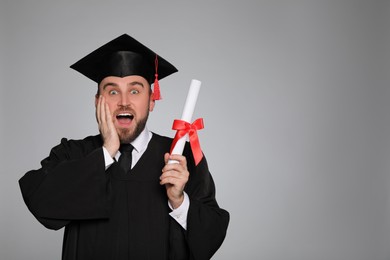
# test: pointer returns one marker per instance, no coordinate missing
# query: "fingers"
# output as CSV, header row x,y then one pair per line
x,y
103,115
97,112
174,177
100,112
106,126
175,173
177,158
108,117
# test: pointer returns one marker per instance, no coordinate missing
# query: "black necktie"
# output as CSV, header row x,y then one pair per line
x,y
125,158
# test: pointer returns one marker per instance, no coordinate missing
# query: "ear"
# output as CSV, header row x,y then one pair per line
x,y
151,103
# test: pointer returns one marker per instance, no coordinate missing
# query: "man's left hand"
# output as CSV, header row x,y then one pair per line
x,y
175,176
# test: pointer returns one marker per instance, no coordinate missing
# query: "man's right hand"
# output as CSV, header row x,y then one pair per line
x,y
106,127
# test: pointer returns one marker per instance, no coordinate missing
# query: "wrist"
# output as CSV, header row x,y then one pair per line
x,y
112,151
176,202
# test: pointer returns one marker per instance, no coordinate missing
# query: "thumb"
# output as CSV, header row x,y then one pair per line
x,y
166,157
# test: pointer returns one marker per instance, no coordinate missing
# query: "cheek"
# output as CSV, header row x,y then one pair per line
x,y
112,107
141,107
112,103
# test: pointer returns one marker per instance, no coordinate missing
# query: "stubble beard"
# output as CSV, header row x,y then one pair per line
x,y
127,135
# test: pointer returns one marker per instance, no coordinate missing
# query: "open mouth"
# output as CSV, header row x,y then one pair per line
x,y
124,118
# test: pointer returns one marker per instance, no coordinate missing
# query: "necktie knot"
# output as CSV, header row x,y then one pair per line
x,y
126,157
126,148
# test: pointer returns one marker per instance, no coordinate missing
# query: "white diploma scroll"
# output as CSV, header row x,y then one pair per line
x,y
188,111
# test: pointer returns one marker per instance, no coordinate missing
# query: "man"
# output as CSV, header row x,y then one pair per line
x,y
122,201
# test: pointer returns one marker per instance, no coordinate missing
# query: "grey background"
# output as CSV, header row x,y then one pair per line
x,y
295,98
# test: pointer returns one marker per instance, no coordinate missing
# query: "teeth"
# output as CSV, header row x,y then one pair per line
x,y
125,114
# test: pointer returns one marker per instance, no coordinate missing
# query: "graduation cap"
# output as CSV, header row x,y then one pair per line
x,y
125,56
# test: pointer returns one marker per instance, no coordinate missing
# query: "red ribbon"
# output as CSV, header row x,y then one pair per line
x,y
184,128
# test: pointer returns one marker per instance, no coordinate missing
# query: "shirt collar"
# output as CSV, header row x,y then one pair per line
x,y
141,142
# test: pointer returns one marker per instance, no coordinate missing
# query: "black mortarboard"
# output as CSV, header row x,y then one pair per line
x,y
125,56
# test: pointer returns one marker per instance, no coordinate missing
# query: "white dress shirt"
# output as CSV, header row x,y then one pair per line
x,y
140,144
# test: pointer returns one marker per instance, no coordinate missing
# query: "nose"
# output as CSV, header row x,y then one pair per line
x,y
124,101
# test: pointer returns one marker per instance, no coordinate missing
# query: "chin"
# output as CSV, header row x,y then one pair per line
x,y
126,135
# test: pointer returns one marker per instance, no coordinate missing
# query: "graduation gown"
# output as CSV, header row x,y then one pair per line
x,y
108,214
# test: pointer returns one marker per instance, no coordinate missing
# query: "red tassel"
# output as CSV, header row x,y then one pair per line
x,y
156,91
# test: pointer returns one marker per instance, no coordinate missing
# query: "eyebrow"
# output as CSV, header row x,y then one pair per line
x,y
109,84
133,83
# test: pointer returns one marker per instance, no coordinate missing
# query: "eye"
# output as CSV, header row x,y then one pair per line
x,y
113,92
134,91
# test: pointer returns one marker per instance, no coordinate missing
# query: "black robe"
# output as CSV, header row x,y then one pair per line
x,y
112,215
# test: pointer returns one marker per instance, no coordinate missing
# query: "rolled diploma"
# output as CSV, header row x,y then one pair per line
x,y
188,110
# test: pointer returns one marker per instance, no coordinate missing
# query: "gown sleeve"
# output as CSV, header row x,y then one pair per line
x,y
207,223
70,185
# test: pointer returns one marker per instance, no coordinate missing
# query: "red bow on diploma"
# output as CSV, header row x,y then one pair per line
x,y
184,128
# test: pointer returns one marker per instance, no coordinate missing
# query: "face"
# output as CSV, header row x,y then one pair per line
x,y
130,101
